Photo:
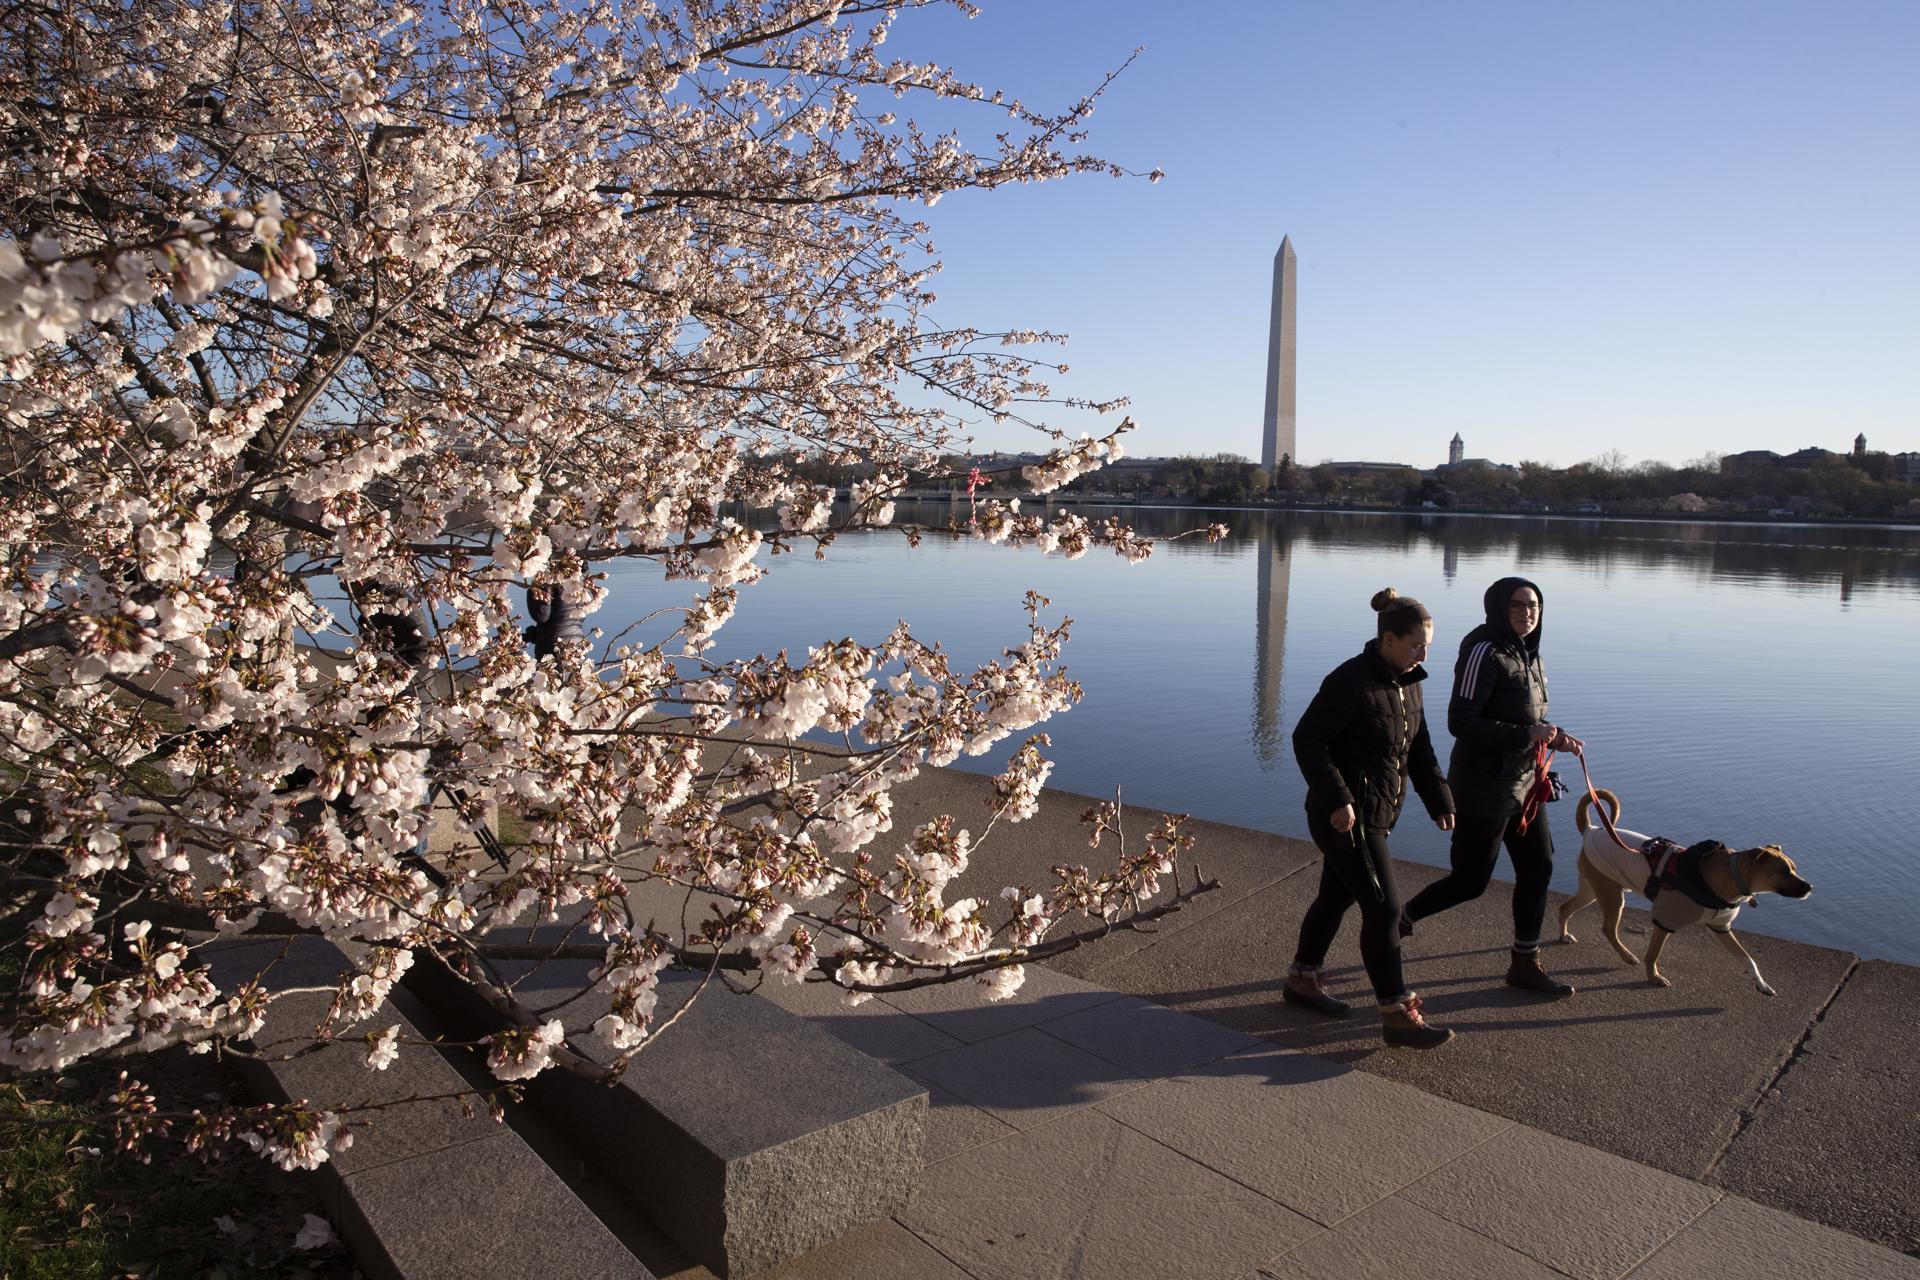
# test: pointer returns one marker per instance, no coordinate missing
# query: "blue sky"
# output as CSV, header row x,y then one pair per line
x,y
1558,229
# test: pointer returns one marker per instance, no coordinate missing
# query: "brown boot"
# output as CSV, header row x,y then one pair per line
x,y
1306,990
1404,1028
1525,973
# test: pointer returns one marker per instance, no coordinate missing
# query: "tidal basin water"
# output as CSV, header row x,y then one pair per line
x,y
1749,683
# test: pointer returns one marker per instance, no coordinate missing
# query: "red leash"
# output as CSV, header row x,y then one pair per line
x,y
1606,818
1542,789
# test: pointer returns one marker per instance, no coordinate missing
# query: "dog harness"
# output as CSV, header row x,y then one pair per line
x,y
1671,867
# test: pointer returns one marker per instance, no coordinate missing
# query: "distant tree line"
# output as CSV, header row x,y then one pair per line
x,y
1862,486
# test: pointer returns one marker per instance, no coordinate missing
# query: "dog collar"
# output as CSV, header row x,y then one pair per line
x,y
1740,881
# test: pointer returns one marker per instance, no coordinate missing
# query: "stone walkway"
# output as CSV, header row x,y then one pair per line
x,y
1080,1132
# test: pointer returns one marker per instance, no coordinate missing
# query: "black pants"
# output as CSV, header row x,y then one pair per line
x,y
1343,882
1476,848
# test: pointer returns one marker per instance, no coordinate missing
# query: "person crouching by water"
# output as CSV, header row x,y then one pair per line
x,y
1498,717
1360,738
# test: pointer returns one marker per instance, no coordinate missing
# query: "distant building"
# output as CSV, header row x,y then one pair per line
x,y
1907,466
1365,468
1800,459
1749,463
1860,445
1456,449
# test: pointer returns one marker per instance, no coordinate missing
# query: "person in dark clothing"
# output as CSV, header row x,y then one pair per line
x,y
1498,717
1361,737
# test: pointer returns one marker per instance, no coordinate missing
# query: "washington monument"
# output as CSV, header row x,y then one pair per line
x,y
1277,437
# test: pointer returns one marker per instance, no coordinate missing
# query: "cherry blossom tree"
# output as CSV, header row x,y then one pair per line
x,y
331,331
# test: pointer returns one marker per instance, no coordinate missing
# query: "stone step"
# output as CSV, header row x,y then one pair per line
x,y
425,1192
749,1136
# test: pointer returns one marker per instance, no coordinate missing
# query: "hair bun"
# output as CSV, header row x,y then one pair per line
x,y
1383,598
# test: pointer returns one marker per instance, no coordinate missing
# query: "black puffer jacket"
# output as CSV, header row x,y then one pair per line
x,y
1499,693
1361,737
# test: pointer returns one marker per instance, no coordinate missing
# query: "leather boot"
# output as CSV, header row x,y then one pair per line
x,y
1404,1027
1307,991
1525,973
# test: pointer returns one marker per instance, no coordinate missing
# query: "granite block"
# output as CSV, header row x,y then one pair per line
x,y
489,1209
424,1191
391,1128
749,1135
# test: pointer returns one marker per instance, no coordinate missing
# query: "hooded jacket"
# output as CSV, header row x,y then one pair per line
x,y
1361,737
1499,694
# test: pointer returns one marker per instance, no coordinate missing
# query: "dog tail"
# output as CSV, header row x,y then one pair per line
x,y
1582,822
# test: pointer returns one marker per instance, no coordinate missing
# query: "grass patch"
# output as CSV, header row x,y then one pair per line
x,y
71,1206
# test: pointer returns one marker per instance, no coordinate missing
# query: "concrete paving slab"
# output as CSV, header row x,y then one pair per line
x,y
961,1010
1317,1137
1394,1240
886,1251
1580,1211
1148,1039
422,1212
1242,860
1025,1078
955,1125
1849,1092
1087,1196
875,1028
1870,1023
1835,1141
1740,1240
1580,1068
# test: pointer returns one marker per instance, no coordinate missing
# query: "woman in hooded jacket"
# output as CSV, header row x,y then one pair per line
x,y
1361,737
1498,718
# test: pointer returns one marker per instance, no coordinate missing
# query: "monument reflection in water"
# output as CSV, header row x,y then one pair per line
x,y
1269,642
1745,682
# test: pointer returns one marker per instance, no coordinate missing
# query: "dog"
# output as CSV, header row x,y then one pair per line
x,y
1707,882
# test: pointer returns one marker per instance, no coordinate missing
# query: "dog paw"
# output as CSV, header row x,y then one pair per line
x,y
1659,980
1566,935
1766,990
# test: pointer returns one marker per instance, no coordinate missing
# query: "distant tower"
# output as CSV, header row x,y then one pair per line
x,y
1277,435
1860,445
1456,450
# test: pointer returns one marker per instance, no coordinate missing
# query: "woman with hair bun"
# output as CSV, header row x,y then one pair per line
x,y
1360,739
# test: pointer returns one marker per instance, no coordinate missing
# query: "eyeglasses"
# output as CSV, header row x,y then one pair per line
x,y
1519,607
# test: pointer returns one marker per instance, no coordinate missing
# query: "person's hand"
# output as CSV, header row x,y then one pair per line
x,y
1342,818
1565,741
1541,733
1444,822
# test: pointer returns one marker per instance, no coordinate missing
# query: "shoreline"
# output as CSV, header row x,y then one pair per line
x,y
1755,519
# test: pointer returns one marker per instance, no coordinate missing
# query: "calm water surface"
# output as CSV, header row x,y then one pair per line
x,y
1749,683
